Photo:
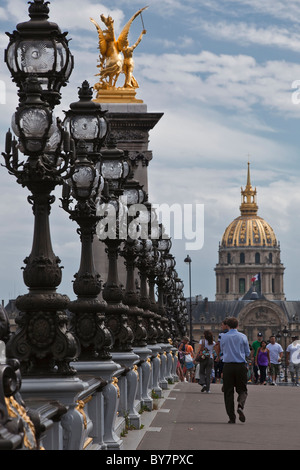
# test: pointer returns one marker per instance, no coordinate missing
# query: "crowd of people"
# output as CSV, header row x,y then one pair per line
x,y
232,361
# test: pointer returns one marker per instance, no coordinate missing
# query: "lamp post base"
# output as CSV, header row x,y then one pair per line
x,y
42,343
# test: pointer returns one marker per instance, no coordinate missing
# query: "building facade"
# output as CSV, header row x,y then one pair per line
x,y
249,279
248,253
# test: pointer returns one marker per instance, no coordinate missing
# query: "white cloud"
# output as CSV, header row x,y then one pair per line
x,y
245,33
68,14
277,8
193,138
232,81
3,14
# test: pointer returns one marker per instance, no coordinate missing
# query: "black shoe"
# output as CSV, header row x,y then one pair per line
x,y
242,417
203,388
231,421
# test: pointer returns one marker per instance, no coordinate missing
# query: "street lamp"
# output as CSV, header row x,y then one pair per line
x,y
278,337
133,195
114,169
40,62
147,267
166,263
85,118
188,261
86,121
39,47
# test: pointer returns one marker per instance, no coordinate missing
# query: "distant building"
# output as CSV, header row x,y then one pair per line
x,y
249,278
12,312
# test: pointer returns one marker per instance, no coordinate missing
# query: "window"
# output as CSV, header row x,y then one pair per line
x,y
273,286
228,258
242,258
270,257
227,286
257,258
242,286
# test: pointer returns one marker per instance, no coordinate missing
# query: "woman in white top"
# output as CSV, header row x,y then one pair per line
x,y
207,346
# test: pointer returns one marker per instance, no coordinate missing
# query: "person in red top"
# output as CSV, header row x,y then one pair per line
x,y
185,349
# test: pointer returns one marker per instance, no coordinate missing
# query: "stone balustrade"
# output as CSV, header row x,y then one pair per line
x,y
91,411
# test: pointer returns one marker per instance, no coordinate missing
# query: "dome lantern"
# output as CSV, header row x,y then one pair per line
x,y
249,203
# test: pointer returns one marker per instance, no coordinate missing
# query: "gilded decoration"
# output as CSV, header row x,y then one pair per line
x,y
116,58
249,229
115,384
80,408
15,410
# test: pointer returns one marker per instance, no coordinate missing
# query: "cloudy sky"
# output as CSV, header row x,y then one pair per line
x,y
224,73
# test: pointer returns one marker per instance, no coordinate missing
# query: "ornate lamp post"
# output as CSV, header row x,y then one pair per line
x,y
147,266
188,261
174,290
115,170
42,342
39,47
181,309
137,223
86,119
134,196
43,326
151,270
165,263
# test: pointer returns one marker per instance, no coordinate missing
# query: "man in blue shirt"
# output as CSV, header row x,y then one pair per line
x,y
235,349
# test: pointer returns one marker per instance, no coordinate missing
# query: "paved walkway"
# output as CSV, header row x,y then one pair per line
x,y
190,420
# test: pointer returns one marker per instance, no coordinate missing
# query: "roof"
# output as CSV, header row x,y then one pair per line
x,y
216,311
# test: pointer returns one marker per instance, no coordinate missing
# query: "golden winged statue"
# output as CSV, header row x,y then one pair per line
x,y
116,54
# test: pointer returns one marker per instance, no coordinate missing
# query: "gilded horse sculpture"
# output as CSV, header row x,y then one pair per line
x,y
112,63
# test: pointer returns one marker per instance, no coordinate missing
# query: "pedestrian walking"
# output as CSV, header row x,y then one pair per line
x,y
235,348
255,346
187,354
205,357
262,361
276,353
181,355
219,358
218,366
179,371
293,359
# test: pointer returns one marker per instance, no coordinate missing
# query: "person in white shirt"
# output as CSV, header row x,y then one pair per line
x,y
276,353
206,345
293,359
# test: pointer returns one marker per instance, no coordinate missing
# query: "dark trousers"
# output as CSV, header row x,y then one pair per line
x,y
205,372
234,377
263,373
255,372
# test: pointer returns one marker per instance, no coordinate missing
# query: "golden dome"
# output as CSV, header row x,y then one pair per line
x,y
249,229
